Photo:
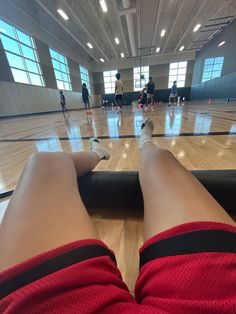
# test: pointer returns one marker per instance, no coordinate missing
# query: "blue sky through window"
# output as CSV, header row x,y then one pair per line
x,y
84,74
21,54
212,68
61,70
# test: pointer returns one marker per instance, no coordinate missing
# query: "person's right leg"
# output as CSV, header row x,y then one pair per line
x,y
58,263
172,195
46,210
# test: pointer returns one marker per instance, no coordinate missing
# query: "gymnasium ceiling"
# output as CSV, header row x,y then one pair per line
x,y
137,24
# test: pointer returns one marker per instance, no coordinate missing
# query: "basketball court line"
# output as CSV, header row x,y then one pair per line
x,y
106,137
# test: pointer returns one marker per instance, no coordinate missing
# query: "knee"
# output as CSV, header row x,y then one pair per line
x,y
159,154
45,157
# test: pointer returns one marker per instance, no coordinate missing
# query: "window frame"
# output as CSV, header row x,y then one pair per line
x,y
109,85
177,72
136,76
84,76
209,70
28,73
63,70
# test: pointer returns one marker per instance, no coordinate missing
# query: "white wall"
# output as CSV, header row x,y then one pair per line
x,y
16,98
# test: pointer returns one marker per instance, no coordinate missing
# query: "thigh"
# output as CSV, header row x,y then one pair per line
x,y
172,195
45,210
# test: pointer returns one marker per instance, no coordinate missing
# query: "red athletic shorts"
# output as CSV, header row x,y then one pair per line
x,y
187,269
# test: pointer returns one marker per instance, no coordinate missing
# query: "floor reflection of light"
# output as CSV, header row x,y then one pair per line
x,y
202,124
233,128
50,145
138,119
94,128
181,154
173,143
113,128
3,207
2,184
110,145
124,156
74,135
220,154
203,142
127,145
173,121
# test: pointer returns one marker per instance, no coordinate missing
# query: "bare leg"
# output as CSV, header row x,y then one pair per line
x,y
46,210
172,196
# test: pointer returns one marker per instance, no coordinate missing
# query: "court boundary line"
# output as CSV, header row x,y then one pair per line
x,y
106,137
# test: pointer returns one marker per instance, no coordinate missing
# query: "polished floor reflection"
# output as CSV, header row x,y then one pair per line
x,y
200,135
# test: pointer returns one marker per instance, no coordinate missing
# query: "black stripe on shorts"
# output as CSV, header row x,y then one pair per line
x,y
52,265
191,242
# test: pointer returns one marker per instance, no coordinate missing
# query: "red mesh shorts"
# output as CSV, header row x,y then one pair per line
x,y
187,269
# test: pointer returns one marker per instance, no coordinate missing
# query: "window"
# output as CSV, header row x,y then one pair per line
x,y
109,81
61,70
177,72
141,77
84,77
21,55
212,68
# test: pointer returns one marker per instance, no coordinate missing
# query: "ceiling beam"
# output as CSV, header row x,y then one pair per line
x,y
157,20
127,11
180,11
90,36
114,5
85,63
222,28
101,21
65,29
190,26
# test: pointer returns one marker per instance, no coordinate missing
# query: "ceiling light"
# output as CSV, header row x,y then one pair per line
x,y
122,55
163,33
63,14
221,44
181,48
117,40
196,28
103,5
101,59
90,45
158,49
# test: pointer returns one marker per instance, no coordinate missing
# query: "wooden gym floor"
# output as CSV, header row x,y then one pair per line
x,y
201,136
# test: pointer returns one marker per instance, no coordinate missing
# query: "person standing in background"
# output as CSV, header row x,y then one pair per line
x,y
173,94
63,101
150,92
85,97
119,90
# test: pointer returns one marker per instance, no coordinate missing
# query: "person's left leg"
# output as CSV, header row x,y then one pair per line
x,y
88,104
46,210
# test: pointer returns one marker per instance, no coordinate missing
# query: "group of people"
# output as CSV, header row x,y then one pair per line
x,y
146,97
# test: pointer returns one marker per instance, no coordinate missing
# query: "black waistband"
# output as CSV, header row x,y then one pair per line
x,y
191,242
52,265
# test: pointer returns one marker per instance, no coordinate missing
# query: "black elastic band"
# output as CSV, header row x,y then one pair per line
x,y
54,264
192,242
